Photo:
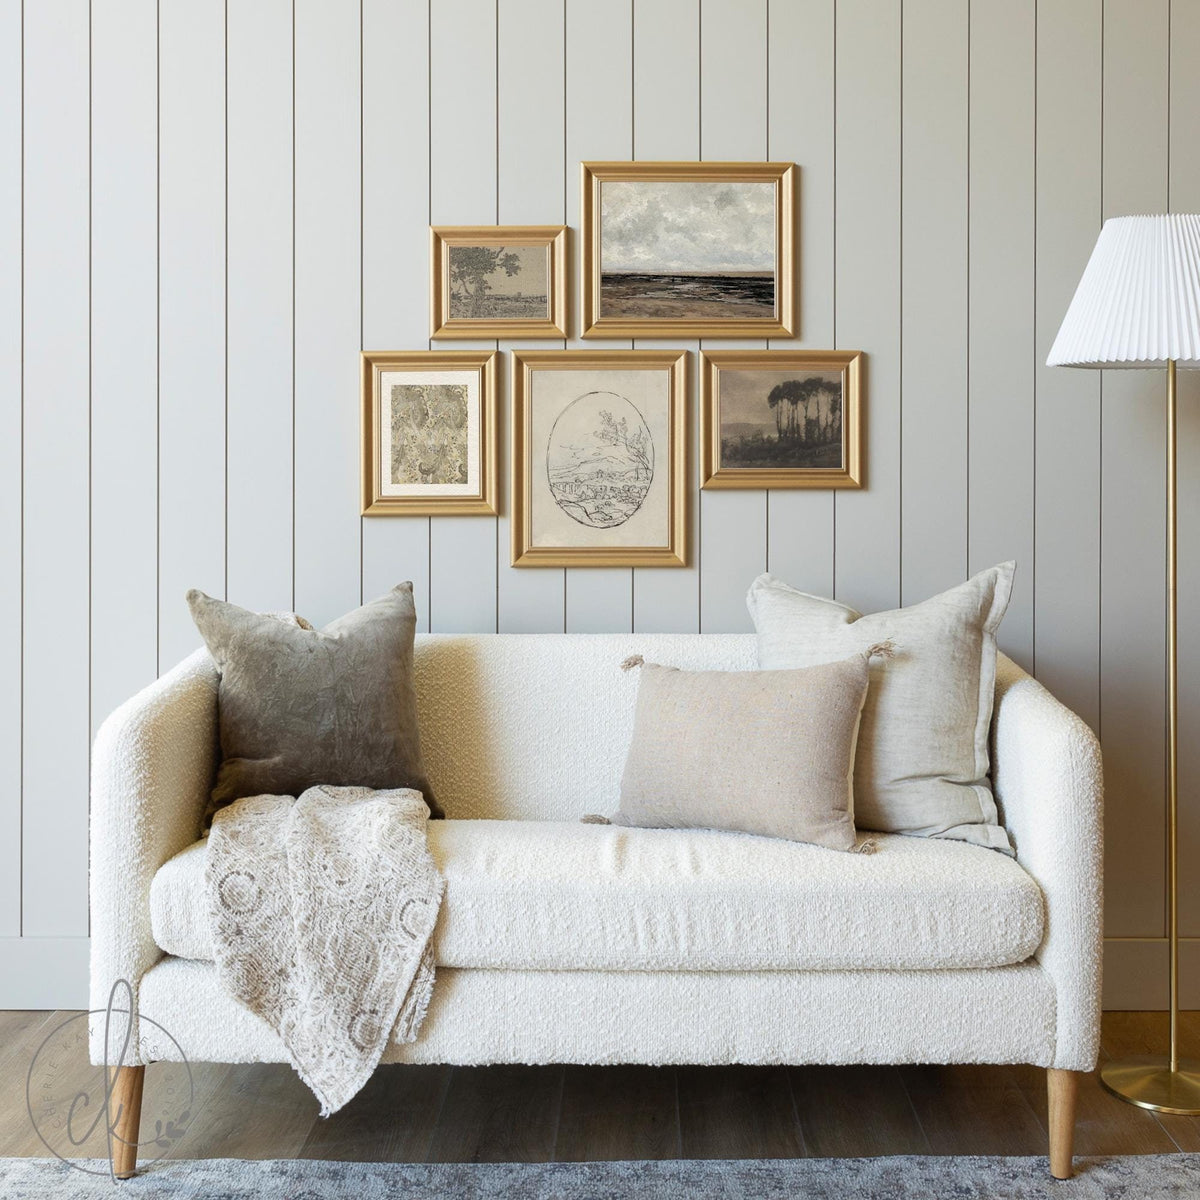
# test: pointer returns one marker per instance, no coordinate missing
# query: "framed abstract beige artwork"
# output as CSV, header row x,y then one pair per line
x,y
429,432
600,450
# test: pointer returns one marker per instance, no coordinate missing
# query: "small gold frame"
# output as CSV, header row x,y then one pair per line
x,y
714,475
524,364
552,237
480,503
782,174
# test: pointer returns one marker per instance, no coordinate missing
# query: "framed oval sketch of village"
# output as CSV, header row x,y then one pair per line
x,y
691,249
781,419
498,281
429,433
600,458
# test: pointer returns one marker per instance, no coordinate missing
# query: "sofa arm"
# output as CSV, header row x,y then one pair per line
x,y
1048,779
152,770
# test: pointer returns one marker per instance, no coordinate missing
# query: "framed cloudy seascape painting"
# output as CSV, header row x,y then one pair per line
x,y
429,432
600,458
688,249
498,281
781,419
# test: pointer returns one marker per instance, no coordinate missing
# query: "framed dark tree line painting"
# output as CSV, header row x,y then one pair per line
x,y
781,419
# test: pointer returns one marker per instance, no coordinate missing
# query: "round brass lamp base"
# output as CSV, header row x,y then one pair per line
x,y
1149,1082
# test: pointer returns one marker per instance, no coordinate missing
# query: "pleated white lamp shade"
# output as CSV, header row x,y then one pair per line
x,y
1138,303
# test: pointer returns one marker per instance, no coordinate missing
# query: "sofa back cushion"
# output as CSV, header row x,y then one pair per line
x,y
922,764
537,726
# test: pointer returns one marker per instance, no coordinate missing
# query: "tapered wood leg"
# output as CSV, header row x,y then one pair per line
x,y
1062,1089
125,1116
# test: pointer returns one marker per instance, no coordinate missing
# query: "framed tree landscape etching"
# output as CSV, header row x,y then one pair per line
x,y
429,432
600,458
698,249
781,419
498,281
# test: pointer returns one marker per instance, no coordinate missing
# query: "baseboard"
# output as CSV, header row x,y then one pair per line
x,y
1135,973
44,972
53,972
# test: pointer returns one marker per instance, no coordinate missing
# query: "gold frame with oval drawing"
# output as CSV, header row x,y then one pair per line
x,y
525,365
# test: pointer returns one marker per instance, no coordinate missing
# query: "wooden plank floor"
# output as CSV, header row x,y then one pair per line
x,y
535,1114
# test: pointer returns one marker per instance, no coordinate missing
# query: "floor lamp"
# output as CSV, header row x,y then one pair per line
x,y
1138,306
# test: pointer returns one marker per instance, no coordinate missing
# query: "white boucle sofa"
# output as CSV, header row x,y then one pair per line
x,y
565,942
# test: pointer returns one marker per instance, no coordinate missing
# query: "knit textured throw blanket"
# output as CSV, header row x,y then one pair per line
x,y
321,910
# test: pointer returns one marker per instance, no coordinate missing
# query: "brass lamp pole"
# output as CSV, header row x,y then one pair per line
x,y
1138,305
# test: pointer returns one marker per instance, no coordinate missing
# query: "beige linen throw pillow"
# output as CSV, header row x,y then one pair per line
x,y
922,762
767,752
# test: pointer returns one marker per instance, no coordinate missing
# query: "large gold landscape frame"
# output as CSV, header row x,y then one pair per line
x,y
525,364
781,174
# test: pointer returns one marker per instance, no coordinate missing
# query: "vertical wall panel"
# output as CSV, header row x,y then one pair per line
x,y
191,315
1184,196
1067,613
1133,506
124,351
56,416
733,127
529,191
666,126
328,565
868,291
259,324
800,73
462,191
10,467
395,249
1000,467
934,298
599,108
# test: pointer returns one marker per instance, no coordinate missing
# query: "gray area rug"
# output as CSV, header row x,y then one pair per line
x,y
1146,1177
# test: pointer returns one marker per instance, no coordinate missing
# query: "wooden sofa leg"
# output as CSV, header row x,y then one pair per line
x,y
1062,1089
125,1117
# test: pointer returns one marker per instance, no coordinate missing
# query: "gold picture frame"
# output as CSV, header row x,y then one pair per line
x,y
432,416
664,283
781,444
492,257
600,474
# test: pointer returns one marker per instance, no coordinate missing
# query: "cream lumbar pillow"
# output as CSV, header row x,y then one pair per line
x,y
922,762
767,752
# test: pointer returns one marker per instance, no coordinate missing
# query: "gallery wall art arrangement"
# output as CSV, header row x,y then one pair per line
x,y
600,440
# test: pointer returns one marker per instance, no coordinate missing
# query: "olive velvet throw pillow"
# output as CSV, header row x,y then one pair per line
x,y
766,752
922,763
300,706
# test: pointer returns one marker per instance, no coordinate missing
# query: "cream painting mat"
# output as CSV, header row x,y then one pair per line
x,y
387,380
551,394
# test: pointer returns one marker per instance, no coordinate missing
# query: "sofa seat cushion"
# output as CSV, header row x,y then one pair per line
x,y
545,895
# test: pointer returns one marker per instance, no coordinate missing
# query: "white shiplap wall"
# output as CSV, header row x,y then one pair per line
x,y
207,208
